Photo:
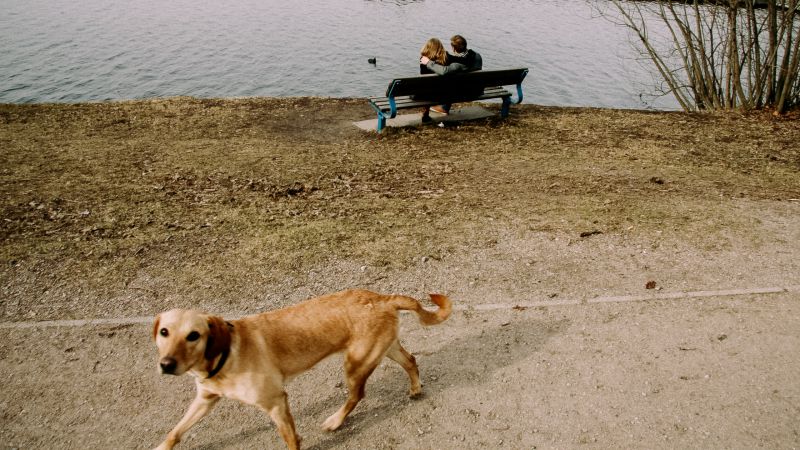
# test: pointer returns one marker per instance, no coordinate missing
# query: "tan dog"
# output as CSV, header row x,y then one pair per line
x,y
251,359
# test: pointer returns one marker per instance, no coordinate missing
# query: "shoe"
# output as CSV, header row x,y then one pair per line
x,y
426,118
439,110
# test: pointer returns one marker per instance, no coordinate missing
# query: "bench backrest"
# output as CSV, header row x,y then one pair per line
x,y
456,84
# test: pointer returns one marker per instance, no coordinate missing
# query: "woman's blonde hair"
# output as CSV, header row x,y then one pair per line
x,y
434,50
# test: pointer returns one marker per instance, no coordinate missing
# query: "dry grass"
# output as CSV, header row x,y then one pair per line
x,y
192,196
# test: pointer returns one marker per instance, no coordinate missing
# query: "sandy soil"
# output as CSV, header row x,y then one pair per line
x,y
623,278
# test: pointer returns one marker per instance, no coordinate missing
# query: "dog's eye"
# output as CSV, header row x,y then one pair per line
x,y
193,336
164,332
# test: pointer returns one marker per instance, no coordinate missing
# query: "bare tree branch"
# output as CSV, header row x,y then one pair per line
x,y
715,56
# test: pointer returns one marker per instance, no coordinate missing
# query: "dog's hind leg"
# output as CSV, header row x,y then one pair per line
x,y
359,362
399,355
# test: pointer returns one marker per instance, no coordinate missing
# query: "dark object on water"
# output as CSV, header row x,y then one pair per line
x,y
371,60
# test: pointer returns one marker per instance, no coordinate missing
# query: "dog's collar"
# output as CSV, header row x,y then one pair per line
x,y
223,357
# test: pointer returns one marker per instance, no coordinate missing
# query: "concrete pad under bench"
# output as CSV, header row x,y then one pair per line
x,y
405,120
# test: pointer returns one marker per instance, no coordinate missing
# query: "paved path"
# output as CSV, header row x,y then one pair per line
x,y
654,371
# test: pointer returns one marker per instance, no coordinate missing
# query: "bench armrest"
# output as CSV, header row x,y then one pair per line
x,y
519,88
392,107
519,95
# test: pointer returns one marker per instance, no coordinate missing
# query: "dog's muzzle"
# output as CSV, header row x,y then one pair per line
x,y
168,365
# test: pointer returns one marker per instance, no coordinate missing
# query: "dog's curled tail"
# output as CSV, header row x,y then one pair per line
x,y
426,317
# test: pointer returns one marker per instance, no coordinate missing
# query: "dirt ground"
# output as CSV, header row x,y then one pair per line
x,y
623,279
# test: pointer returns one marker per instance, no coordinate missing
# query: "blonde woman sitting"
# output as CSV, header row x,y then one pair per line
x,y
432,51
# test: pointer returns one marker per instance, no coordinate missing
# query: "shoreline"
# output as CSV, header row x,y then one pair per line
x,y
318,98
792,115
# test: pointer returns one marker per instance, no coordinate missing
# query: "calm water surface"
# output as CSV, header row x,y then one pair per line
x,y
94,50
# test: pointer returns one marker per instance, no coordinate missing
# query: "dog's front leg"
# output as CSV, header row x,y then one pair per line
x,y
277,406
201,405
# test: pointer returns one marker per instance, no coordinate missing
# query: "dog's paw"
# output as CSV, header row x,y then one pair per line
x,y
332,423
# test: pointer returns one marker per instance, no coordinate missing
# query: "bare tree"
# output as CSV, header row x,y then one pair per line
x,y
722,55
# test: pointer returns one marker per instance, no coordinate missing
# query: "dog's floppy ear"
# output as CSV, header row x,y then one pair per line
x,y
155,326
219,337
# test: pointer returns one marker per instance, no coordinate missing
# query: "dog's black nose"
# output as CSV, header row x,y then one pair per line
x,y
168,365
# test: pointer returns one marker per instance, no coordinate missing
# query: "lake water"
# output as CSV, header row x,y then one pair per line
x,y
95,50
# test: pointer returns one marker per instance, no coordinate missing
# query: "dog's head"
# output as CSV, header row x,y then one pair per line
x,y
189,340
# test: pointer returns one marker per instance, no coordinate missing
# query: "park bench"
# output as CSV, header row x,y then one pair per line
x,y
430,90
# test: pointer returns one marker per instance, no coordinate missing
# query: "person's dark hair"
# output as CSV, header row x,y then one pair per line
x,y
459,43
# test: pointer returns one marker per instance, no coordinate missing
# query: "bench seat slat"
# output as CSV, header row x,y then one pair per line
x,y
407,101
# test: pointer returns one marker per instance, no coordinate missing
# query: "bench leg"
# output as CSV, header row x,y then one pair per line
x,y
381,122
506,105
